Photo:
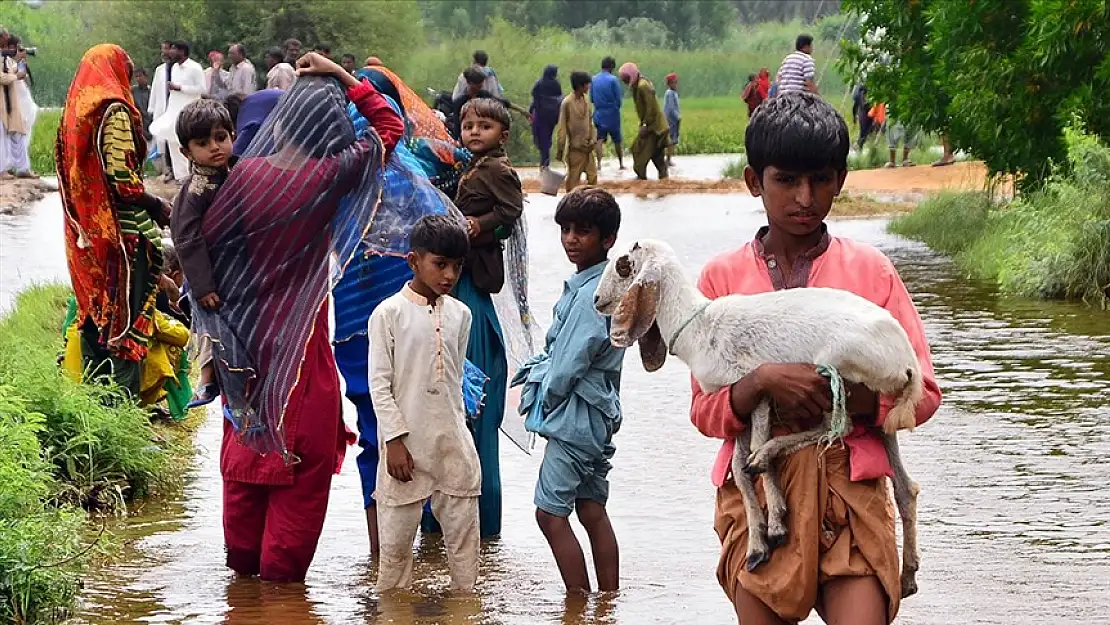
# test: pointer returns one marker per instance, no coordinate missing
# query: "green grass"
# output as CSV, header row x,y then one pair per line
x,y
64,447
42,141
1052,243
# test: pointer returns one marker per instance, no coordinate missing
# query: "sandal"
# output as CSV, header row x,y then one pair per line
x,y
204,395
907,163
889,165
944,162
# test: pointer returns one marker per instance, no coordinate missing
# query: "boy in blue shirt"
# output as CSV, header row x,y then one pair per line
x,y
571,397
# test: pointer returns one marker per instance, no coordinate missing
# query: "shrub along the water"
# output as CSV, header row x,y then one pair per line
x,y
1050,243
64,447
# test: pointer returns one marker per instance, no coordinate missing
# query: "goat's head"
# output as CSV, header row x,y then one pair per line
x,y
629,292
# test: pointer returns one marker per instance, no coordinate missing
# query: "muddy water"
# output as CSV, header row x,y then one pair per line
x,y
1014,515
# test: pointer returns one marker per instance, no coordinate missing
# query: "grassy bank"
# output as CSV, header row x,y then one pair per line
x,y
1053,243
66,450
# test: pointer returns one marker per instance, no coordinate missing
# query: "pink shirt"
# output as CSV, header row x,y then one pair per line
x,y
845,264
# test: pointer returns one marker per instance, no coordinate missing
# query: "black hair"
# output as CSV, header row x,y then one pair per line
x,y
481,58
276,54
167,42
350,56
137,71
232,103
198,119
489,109
474,75
14,40
182,46
291,41
751,77
796,131
589,207
323,47
802,41
608,63
441,235
579,79
242,49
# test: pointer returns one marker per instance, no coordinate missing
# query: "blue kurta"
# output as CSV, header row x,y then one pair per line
x,y
606,95
571,397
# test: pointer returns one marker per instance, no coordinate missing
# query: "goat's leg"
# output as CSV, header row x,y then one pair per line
x,y
758,552
763,458
905,497
772,486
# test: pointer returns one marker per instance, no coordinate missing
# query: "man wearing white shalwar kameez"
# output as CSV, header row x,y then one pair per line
x,y
417,350
156,105
186,83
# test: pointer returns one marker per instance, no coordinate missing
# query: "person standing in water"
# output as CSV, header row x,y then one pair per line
x,y
673,112
547,94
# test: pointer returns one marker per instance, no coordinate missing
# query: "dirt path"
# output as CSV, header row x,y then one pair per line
x,y
867,192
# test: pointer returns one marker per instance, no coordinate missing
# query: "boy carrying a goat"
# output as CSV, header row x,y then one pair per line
x,y
839,554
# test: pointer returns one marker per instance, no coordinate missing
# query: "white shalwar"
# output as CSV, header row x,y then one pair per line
x,y
416,366
188,75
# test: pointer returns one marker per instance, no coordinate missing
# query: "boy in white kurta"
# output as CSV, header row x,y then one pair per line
x,y
418,340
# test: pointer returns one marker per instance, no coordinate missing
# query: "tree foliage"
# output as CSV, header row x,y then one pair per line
x,y
383,27
689,23
1002,78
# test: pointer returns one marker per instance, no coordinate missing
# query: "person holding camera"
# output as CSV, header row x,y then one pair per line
x,y
17,109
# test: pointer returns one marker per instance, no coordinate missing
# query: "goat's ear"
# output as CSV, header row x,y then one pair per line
x,y
653,350
635,314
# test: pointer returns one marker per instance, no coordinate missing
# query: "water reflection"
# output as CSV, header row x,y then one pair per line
x,y
1013,471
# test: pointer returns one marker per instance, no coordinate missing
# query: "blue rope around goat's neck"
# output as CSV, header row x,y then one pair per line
x,y
841,421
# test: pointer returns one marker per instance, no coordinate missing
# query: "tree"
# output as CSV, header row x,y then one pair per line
x,y
1002,78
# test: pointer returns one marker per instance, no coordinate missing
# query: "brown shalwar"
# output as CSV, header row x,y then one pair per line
x,y
836,528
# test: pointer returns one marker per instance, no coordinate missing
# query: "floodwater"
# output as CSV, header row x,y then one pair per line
x,y
1014,512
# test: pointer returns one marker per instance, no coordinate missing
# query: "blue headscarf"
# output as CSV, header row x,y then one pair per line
x,y
253,111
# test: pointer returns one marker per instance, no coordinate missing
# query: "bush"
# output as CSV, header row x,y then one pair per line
x,y
102,450
1050,243
43,138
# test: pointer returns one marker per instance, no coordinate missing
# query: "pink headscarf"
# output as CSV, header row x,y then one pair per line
x,y
629,71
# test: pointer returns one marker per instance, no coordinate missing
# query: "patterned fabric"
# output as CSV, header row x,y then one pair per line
x,y
273,232
99,154
426,137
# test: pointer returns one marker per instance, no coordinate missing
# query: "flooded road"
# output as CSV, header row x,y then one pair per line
x,y
1014,512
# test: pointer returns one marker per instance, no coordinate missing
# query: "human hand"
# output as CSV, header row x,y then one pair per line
x,y
799,393
174,87
472,227
167,284
210,302
313,64
398,460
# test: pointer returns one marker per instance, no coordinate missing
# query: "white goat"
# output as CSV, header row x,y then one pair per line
x,y
647,294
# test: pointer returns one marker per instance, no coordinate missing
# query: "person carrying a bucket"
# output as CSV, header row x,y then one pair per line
x,y
577,134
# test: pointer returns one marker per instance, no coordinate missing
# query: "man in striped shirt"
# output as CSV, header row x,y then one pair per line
x,y
798,71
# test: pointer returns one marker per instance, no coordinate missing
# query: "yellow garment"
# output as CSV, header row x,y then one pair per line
x,y
160,365
580,162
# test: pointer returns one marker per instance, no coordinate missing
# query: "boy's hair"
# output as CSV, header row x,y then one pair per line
x,y
138,71
474,75
276,54
350,56
182,46
579,79
802,41
489,109
796,131
481,58
608,63
590,206
198,119
322,47
442,235
232,102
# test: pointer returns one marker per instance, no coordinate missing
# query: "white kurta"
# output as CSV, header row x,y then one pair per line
x,y
416,368
188,75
